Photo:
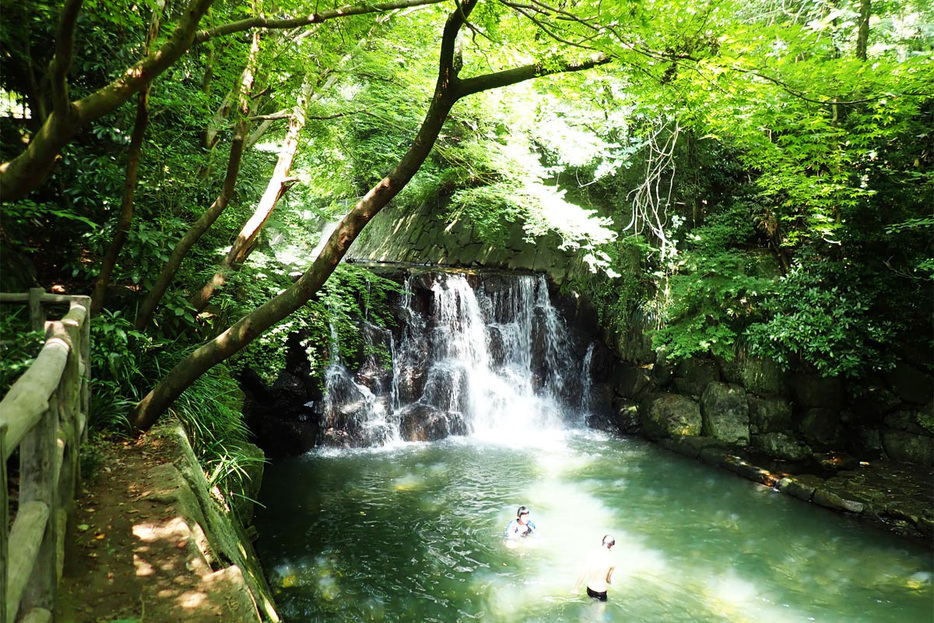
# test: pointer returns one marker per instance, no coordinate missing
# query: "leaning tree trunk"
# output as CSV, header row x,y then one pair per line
x,y
278,183
129,180
199,227
449,88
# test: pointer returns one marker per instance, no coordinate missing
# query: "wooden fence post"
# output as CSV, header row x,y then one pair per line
x,y
4,528
36,309
71,432
85,368
45,415
39,473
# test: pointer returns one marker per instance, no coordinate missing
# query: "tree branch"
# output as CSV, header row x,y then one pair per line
x,y
282,114
306,20
64,51
520,74
32,166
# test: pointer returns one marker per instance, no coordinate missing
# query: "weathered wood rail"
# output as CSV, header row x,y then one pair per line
x,y
44,415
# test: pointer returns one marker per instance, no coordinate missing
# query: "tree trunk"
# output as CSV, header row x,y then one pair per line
x,y
194,233
129,181
246,239
448,90
862,36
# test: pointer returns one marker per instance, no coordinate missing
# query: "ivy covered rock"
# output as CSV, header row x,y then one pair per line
x,y
627,417
910,384
762,377
821,428
910,447
870,399
631,381
633,343
813,391
694,375
662,369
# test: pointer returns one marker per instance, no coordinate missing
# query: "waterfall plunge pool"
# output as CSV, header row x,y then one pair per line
x,y
413,532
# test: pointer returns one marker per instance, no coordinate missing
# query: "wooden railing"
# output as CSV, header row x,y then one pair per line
x,y
44,415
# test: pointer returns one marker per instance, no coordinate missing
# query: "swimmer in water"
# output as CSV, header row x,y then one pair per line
x,y
599,571
521,526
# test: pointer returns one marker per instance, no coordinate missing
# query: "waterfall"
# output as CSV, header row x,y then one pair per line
x,y
491,359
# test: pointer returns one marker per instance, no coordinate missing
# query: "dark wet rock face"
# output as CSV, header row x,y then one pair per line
x,y
281,418
422,422
725,413
769,415
781,445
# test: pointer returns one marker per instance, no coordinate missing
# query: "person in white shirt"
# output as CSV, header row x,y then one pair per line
x,y
599,570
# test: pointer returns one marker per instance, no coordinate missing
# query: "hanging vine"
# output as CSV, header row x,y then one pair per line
x,y
652,198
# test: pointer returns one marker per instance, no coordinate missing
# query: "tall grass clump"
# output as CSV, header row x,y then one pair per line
x,y
124,361
210,411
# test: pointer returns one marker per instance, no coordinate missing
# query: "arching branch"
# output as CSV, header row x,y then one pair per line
x,y
306,20
30,168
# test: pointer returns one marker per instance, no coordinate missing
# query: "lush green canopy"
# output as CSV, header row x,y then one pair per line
x,y
759,172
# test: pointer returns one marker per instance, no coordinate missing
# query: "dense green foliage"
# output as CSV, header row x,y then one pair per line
x,y
747,174
19,345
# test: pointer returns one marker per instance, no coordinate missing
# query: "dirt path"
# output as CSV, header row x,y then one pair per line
x,y
134,559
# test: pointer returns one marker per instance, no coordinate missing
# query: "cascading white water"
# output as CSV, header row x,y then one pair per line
x,y
352,407
587,382
492,363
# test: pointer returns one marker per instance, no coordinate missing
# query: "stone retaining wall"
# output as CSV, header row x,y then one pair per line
x,y
420,236
221,539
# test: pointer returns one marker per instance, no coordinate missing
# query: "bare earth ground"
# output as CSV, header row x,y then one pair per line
x,y
134,559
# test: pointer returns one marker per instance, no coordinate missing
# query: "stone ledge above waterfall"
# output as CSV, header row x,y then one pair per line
x,y
421,236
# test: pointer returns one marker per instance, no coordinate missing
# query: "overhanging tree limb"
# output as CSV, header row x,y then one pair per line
x,y
32,166
279,182
307,20
448,89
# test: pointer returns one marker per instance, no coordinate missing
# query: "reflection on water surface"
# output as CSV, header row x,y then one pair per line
x,y
413,533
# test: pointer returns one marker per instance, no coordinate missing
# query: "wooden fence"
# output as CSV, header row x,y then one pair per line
x,y
44,415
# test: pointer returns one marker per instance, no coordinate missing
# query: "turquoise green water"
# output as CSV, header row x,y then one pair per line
x,y
413,533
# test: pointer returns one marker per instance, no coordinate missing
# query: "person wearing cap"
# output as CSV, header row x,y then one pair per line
x,y
521,526
599,571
